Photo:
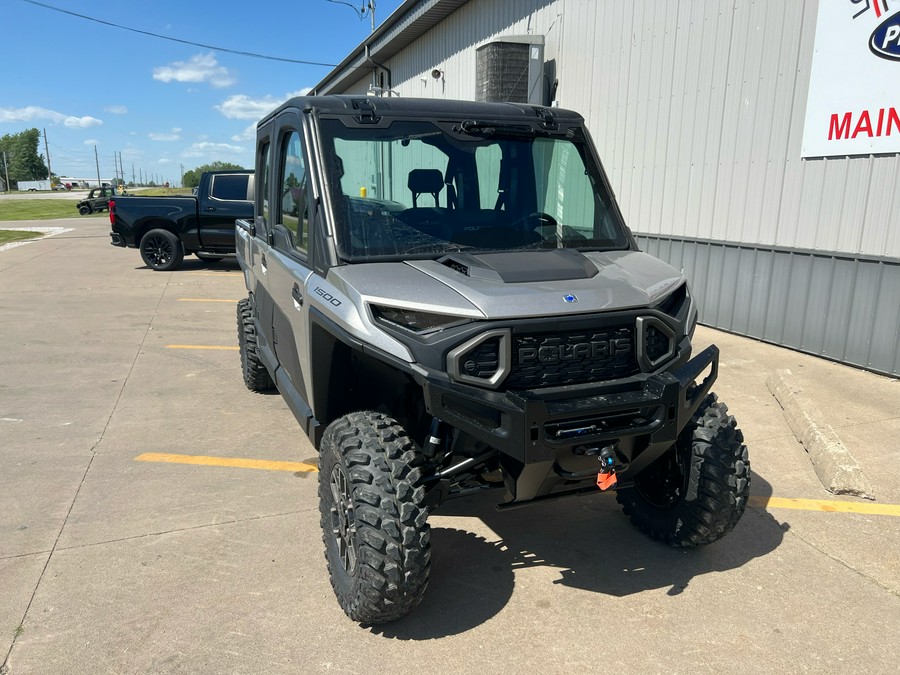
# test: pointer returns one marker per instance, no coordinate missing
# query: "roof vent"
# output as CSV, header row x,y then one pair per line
x,y
456,266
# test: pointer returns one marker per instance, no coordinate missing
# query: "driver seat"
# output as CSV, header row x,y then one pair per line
x,y
425,181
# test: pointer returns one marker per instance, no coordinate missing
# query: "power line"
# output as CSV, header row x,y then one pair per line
x,y
172,39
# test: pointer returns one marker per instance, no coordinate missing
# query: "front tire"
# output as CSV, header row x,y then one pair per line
x,y
85,210
256,376
161,250
696,492
374,525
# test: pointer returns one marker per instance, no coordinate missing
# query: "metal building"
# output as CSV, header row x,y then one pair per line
x,y
698,109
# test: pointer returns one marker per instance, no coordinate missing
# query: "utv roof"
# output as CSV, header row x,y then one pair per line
x,y
423,107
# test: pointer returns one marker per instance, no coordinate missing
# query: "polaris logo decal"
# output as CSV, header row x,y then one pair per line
x,y
885,40
579,351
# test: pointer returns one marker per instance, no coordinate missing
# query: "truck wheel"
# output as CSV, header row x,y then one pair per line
x,y
256,377
374,526
161,250
85,210
696,492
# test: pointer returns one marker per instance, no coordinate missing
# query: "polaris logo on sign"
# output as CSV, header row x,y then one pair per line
x,y
853,106
885,40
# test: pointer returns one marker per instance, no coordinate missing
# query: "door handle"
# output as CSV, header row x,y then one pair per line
x,y
297,296
263,263
210,208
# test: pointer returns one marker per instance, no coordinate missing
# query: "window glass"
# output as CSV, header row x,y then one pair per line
x,y
294,211
264,155
564,189
509,190
230,187
487,158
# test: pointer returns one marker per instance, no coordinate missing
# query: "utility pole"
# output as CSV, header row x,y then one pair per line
x,y
182,175
140,176
132,172
97,162
6,167
47,150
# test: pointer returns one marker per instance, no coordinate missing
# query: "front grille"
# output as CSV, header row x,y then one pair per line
x,y
556,359
483,361
656,344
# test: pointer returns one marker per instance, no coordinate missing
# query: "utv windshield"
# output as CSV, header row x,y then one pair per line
x,y
423,189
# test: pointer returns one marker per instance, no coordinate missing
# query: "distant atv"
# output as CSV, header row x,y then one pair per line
x,y
97,200
448,299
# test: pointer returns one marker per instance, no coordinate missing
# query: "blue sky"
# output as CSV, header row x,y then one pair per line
x,y
160,103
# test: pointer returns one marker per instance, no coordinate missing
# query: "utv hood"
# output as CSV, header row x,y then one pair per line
x,y
513,285
555,282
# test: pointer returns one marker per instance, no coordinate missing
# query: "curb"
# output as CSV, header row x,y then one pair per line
x,y
835,466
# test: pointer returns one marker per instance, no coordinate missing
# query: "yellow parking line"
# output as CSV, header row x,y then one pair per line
x,y
826,505
205,300
757,501
219,347
233,462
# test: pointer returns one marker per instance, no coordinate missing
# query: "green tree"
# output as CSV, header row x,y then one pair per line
x,y
192,176
25,163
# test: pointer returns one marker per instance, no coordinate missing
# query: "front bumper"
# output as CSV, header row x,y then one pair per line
x,y
548,439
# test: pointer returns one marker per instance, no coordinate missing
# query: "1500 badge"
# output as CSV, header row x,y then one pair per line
x,y
327,297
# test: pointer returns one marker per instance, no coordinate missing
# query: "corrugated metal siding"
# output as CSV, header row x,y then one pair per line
x,y
698,111
842,308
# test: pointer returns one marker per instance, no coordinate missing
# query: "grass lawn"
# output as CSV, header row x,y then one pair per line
x,y
159,192
7,236
41,209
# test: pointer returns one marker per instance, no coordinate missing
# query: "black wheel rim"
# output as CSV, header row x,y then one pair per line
x,y
664,483
343,519
158,250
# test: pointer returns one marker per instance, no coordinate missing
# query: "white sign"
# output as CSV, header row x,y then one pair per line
x,y
853,107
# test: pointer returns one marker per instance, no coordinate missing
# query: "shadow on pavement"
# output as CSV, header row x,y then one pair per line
x,y
588,539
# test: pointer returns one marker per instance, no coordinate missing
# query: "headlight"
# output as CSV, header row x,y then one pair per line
x,y
415,321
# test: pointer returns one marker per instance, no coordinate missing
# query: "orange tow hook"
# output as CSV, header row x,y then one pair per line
x,y
607,476
606,480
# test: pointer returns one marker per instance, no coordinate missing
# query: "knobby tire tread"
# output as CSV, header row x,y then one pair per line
x,y
393,536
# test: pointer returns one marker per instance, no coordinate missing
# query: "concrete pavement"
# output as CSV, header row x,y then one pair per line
x,y
110,564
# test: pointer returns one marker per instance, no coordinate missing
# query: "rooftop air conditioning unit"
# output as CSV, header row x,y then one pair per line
x,y
511,69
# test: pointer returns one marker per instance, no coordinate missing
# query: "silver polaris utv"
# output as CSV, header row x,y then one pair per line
x,y
447,298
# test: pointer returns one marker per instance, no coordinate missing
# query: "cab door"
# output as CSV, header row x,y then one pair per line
x,y
228,199
287,261
252,249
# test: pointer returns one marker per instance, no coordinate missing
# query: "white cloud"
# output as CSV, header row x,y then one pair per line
x,y
242,107
247,134
92,141
116,109
207,148
164,160
82,122
33,112
174,135
199,68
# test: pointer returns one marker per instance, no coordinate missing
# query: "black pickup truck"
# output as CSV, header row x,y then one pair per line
x,y
165,229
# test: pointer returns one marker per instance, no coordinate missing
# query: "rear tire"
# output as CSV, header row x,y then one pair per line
x,y
256,377
161,250
696,492
85,210
374,525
